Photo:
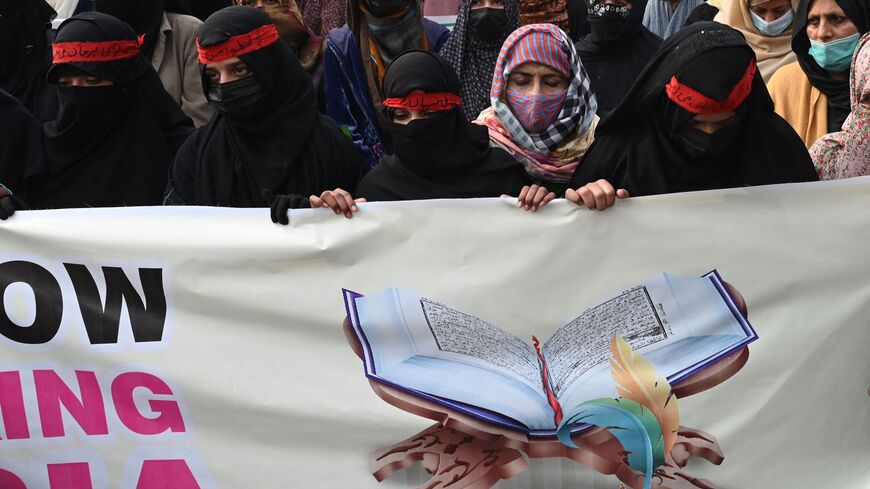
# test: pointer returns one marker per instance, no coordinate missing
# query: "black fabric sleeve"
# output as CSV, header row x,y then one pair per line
x,y
180,190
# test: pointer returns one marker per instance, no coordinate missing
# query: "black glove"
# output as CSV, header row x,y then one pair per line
x,y
279,204
9,204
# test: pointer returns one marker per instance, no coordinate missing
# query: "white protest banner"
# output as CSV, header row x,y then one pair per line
x,y
191,347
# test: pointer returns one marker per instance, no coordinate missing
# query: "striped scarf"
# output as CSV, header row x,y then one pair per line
x,y
548,45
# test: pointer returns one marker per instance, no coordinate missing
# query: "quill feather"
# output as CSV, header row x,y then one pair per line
x,y
630,422
636,379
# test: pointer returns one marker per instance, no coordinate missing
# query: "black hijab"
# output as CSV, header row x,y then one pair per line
x,y
577,21
144,16
615,51
635,147
108,145
21,144
443,157
279,144
837,91
26,52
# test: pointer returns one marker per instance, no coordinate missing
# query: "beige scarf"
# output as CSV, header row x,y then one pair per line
x,y
772,52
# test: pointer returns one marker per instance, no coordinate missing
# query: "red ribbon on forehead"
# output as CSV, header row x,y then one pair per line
x,y
236,46
425,101
698,103
85,52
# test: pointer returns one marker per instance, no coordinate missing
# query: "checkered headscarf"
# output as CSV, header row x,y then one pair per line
x,y
548,45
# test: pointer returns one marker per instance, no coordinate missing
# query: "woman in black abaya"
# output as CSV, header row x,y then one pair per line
x,y
439,154
26,55
117,130
616,50
268,137
680,129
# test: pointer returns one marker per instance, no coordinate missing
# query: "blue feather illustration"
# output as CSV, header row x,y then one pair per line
x,y
632,424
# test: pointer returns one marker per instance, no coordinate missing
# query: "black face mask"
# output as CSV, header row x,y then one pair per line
x,y
488,23
384,8
238,99
607,28
698,144
90,103
419,144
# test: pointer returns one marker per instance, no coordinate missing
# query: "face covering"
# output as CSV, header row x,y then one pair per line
x,y
698,144
835,56
488,23
89,106
535,112
239,98
775,28
420,141
384,8
606,21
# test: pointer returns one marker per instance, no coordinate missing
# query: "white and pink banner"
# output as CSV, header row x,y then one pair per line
x,y
203,348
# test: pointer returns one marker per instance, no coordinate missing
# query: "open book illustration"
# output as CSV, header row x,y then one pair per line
x,y
421,346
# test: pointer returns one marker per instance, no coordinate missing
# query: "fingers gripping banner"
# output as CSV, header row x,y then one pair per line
x,y
204,348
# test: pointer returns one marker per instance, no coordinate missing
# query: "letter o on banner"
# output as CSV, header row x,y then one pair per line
x,y
49,303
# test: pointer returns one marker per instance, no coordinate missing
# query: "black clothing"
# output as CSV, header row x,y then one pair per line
x,y
702,13
646,147
837,91
614,64
108,145
442,157
577,22
268,137
21,145
26,55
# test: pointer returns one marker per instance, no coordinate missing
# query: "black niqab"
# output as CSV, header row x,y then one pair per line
x,y
108,145
444,157
144,16
283,146
837,91
614,64
635,146
26,53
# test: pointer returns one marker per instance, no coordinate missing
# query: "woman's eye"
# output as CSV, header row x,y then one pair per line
x,y
64,83
241,70
93,81
212,76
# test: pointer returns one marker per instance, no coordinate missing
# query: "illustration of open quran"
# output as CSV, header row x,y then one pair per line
x,y
424,348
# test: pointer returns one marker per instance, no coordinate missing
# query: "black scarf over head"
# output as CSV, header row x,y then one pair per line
x,y
144,16
635,146
282,144
443,157
613,62
26,52
837,91
577,21
474,58
108,145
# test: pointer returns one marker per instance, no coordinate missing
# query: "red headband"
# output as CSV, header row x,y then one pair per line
x,y
698,103
425,101
236,46
78,52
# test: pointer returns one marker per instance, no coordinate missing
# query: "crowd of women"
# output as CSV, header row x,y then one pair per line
x,y
326,103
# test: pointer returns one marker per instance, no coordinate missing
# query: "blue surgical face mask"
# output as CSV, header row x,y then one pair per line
x,y
775,28
835,56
